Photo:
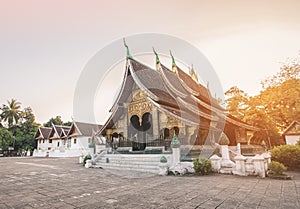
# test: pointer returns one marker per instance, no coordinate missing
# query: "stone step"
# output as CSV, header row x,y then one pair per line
x,y
112,168
128,162
131,162
155,167
130,158
141,168
135,157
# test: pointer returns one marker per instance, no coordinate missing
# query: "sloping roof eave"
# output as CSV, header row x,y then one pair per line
x,y
290,126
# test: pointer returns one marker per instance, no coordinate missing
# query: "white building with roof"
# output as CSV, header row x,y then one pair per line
x,y
66,141
292,133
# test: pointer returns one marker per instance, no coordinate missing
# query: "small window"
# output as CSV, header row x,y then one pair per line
x,y
50,140
75,141
58,144
43,140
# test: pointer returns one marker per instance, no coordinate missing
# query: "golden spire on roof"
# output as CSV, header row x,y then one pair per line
x,y
174,66
158,66
193,74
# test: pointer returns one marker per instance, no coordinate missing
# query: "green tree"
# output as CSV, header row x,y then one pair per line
x,y
278,103
25,131
11,112
237,102
282,103
56,121
6,138
289,70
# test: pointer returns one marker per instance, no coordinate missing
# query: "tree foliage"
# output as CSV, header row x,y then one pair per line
x,y
289,70
289,155
19,127
278,103
202,166
6,138
26,130
277,168
237,102
56,121
11,112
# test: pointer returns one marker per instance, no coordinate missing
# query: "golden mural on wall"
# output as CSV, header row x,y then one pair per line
x,y
139,105
139,96
173,122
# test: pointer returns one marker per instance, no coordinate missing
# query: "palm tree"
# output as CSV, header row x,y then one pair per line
x,y
11,112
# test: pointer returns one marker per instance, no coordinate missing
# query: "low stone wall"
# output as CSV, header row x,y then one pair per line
x,y
60,153
242,165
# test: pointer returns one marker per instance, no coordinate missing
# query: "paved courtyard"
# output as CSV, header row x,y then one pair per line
x,y
63,183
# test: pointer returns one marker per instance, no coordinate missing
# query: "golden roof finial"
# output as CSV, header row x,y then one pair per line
x,y
193,74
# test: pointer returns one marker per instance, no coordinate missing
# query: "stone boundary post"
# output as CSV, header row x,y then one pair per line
x,y
259,166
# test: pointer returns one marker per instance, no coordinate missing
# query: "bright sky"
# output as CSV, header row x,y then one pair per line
x,y
44,45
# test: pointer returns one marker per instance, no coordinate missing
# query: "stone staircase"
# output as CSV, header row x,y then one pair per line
x,y
132,162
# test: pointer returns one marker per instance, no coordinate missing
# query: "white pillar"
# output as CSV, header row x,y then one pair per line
x,y
238,149
240,168
215,162
175,156
155,123
259,167
163,166
175,145
267,160
226,162
80,159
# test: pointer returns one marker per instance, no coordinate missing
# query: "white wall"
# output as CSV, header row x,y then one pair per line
x,y
292,140
76,149
81,145
43,146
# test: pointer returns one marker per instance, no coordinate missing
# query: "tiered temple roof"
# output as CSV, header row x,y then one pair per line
x,y
172,91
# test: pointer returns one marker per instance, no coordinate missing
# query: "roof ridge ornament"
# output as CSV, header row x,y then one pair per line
x,y
193,74
127,49
158,66
174,66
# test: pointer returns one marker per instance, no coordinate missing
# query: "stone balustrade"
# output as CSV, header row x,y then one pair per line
x,y
243,166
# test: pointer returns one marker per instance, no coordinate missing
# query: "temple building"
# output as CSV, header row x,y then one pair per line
x,y
153,105
67,141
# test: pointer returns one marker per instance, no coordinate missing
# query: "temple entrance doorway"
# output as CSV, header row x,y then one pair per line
x,y
140,131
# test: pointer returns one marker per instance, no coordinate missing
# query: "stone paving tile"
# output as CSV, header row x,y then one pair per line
x,y
62,183
229,203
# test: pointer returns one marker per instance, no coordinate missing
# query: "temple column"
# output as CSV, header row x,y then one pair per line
x,y
125,131
155,123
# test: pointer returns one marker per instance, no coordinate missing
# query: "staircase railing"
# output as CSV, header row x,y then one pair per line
x,y
101,154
